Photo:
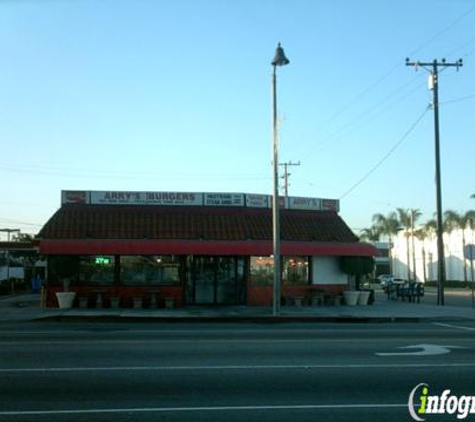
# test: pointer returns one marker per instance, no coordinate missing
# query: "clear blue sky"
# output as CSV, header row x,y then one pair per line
x,y
175,95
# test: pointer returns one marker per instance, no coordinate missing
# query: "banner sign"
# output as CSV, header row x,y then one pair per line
x,y
145,198
298,203
258,201
196,199
330,205
74,197
224,199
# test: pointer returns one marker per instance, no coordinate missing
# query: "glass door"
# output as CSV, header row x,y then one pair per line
x,y
204,280
216,280
226,286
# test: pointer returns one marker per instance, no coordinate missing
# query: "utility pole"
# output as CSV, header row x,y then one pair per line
x,y
9,232
286,175
433,69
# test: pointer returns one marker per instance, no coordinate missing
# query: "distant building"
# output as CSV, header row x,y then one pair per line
x,y
382,260
6,273
194,248
416,259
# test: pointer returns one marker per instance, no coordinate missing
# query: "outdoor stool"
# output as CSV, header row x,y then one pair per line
x,y
316,300
137,302
115,302
99,298
169,302
154,295
83,302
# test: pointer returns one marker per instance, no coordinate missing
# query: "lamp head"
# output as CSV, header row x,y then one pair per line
x,y
279,58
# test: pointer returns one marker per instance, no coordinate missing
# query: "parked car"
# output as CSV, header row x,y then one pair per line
x,y
384,279
393,283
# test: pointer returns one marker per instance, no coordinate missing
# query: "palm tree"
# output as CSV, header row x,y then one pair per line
x,y
453,221
407,219
388,226
422,233
371,234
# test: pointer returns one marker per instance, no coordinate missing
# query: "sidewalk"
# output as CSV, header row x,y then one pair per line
x,y
27,308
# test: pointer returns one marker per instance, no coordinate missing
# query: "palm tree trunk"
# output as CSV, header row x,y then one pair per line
x,y
390,255
424,263
464,260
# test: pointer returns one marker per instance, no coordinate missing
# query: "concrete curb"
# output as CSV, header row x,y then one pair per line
x,y
267,319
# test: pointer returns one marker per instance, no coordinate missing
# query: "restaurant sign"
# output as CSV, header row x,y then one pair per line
x,y
195,199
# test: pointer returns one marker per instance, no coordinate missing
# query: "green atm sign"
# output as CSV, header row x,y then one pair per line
x,y
102,260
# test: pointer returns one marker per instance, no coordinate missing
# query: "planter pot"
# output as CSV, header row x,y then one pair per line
x,y
65,299
363,299
351,298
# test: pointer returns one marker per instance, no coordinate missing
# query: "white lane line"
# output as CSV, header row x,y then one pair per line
x,y
458,327
238,367
343,406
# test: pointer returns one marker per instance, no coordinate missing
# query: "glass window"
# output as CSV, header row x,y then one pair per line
x,y
96,270
61,267
295,270
262,270
150,270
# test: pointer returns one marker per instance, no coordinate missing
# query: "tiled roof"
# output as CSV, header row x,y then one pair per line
x,y
74,221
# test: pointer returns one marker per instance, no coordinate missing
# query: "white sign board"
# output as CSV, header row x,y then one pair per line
x,y
145,198
197,199
298,203
258,201
224,199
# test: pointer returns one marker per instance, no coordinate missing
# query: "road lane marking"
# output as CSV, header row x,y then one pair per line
x,y
194,341
459,327
343,406
238,367
426,350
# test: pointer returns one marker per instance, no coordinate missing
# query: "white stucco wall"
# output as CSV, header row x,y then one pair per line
x,y
425,253
326,270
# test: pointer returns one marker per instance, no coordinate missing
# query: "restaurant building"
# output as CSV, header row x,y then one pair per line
x,y
149,249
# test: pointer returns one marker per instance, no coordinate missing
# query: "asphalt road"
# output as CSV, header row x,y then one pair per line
x,y
228,372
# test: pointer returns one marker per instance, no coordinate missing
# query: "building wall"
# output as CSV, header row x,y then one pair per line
x,y
425,256
326,270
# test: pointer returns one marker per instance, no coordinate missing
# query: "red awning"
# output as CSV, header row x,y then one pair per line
x,y
200,247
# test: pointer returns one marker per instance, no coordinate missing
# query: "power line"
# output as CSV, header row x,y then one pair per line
x,y
22,223
366,116
286,175
361,94
466,97
391,151
443,30
100,174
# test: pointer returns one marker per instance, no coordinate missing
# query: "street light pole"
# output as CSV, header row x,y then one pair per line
x,y
279,60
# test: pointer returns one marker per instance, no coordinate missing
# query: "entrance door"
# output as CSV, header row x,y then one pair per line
x,y
216,280
204,280
226,286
